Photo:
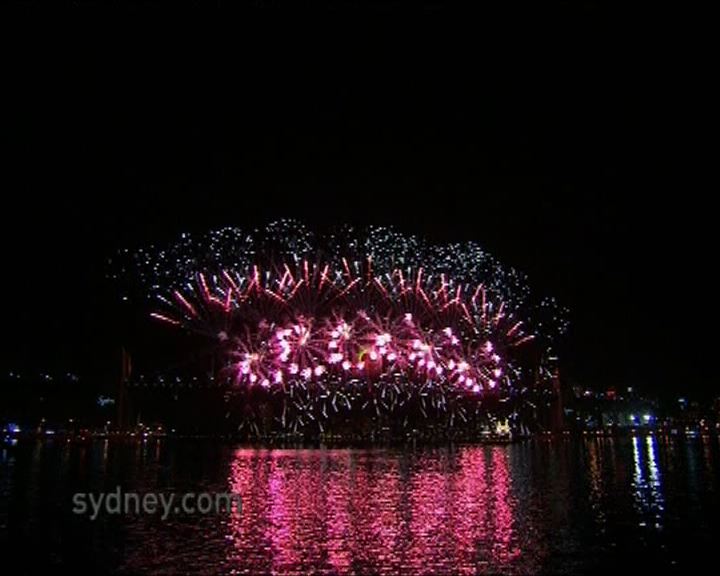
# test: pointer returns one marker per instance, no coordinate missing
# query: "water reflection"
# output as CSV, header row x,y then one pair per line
x,y
545,506
647,485
596,482
379,512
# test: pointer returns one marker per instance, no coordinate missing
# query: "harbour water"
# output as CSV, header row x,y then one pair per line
x,y
574,505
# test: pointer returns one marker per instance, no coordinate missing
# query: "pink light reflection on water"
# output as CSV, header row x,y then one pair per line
x,y
338,511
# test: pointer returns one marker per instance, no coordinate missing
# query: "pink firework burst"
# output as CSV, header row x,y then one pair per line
x,y
319,323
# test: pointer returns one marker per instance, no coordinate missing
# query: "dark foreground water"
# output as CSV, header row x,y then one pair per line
x,y
555,506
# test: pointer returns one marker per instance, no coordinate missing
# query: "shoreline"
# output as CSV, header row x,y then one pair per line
x,y
290,442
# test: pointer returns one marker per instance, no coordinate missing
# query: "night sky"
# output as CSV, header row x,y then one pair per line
x,y
571,141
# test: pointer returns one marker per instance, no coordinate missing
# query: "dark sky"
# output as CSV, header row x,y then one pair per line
x,y
571,140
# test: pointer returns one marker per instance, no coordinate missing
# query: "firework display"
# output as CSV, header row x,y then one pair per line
x,y
370,321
